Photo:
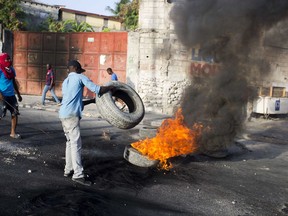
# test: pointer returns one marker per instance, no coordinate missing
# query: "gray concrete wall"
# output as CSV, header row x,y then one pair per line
x,y
275,45
36,13
278,58
159,67
157,63
39,10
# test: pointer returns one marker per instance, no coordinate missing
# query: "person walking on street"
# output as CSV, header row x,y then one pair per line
x,y
112,74
119,103
49,85
8,87
70,114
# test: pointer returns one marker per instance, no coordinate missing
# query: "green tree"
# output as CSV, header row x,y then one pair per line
x,y
74,26
11,14
66,26
118,6
127,11
106,30
53,25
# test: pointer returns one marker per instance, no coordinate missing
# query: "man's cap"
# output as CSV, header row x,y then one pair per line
x,y
77,65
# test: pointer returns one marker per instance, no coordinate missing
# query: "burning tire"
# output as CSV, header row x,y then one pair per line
x,y
127,116
135,157
148,131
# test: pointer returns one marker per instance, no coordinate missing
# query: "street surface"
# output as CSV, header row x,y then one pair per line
x,y
252,180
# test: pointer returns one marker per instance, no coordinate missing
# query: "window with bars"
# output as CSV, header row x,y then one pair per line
x,y
278,92
272,91
105,23
80,18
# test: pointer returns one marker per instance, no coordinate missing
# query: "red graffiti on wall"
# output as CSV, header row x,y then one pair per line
x,y
203,69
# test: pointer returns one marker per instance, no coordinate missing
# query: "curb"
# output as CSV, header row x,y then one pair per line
x,y
38,107
53,109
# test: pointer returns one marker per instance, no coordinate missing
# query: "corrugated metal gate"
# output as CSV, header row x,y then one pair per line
x,y
96,51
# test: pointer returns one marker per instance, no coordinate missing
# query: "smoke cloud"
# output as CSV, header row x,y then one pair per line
x,y
231,31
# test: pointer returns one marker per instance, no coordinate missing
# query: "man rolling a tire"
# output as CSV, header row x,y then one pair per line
x,y
70,114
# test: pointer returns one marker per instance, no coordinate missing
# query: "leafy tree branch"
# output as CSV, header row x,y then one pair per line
x,y
128,12
11,15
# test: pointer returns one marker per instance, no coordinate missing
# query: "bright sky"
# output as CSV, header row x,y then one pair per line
x,y
91,6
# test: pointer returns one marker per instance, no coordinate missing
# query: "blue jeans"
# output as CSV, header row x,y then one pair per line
x,y
45,90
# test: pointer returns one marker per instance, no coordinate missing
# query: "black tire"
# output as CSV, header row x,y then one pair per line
x,y
148,132
135,157
113,114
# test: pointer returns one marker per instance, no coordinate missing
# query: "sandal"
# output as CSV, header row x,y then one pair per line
x,y
15,136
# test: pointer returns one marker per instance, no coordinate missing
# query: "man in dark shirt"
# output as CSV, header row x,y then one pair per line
x,y
49,85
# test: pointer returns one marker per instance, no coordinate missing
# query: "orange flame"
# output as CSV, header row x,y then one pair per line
x,y
173,138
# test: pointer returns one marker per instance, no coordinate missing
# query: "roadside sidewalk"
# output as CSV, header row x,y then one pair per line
x,y
34,102
90,110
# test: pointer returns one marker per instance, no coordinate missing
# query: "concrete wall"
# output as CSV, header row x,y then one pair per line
x,y
95,22
278,77
68,16
39,10
114,25
157,63
37,13
159,67
275,45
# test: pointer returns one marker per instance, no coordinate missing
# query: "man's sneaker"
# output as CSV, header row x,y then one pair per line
x,y
82,181
69,174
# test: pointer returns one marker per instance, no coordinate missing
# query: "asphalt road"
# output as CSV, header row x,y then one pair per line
x,y
252,180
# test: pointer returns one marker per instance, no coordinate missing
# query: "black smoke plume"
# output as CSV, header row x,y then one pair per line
x,y
231,31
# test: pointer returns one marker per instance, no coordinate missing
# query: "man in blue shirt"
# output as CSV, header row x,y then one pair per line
x,y
115,78
70,114
8,87
112,74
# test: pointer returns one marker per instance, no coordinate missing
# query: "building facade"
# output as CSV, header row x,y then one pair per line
x,y
98,22
160,67
37,13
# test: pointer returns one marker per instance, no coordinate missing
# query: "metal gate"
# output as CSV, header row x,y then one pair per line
x,y
96,51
